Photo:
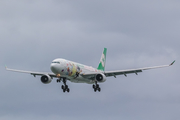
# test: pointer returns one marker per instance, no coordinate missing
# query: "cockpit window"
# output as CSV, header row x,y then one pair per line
x,y
56,62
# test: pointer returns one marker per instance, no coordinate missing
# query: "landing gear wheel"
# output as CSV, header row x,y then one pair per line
x,y
94,86
58,80
62,87
99,89
64,90
66,86
95,89
68,90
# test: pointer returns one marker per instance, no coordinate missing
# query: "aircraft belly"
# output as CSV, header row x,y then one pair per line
x,y
81,80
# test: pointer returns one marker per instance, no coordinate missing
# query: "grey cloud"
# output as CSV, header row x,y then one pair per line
x,y
136,33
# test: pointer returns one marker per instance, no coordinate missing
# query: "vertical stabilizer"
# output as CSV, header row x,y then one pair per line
x,y
102,61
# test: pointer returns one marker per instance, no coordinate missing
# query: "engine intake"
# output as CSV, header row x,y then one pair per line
x,y
46,79
101,77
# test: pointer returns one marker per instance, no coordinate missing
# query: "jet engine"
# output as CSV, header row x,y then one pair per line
x,y
46,79
100,77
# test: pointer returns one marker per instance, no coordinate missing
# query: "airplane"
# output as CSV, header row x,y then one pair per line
x,y
64,70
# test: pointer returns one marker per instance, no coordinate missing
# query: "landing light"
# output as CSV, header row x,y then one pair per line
x,y
58,75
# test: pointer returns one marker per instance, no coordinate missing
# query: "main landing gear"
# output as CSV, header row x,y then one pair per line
x,y
64,87
96,87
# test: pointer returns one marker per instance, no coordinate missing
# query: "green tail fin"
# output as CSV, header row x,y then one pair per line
x,y
102,61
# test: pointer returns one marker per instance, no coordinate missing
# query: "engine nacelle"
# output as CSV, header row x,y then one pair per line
x,y
46,79
100,77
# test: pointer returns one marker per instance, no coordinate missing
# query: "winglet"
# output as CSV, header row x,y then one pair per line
x,y
5,66
172,63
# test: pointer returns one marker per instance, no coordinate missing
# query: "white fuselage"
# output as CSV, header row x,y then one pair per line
x,y
71,70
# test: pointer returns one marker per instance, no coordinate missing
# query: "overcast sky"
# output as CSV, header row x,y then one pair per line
x,y
137,33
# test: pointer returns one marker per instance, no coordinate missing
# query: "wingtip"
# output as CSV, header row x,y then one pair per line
x,y
6,67
172,62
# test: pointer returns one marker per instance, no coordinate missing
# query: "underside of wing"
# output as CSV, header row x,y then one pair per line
x,y
136,71
122,72
32,73
111,73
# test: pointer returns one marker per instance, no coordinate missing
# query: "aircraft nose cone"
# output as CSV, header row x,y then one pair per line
x,y
54,68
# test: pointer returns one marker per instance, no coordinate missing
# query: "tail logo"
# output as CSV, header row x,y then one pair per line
x,y
103,60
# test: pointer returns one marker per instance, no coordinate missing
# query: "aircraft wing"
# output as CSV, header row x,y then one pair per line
x,y
32,73
136,71
124,72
